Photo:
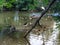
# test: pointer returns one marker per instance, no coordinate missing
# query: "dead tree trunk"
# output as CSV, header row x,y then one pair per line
x,y
42,14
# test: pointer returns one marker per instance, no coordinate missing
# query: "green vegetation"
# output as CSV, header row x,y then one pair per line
x,y
57,19
19,17
27,4
20,4
56,5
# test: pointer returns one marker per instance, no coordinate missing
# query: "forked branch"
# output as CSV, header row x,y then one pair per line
x,y
42,14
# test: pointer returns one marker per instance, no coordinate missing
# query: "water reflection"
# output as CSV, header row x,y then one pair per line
x,y
50,35
38,40
53,37
35,40
16,17
10,41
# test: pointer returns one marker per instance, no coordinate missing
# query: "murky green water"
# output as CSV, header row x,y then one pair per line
x,y
35,37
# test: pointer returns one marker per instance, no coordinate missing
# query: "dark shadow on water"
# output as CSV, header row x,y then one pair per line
x,y
13,38
27,41
6,40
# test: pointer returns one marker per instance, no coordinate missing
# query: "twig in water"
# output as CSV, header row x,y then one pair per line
x,y
40,17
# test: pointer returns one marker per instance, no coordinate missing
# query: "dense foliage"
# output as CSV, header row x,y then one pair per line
x,y
27,4
55,7
19,4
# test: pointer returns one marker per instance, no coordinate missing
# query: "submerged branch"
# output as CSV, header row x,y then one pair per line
x,y
40,17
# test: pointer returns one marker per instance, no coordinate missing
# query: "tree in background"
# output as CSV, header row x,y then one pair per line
x,y
28,4
21,4
55,8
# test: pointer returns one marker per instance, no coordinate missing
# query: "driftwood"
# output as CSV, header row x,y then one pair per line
x,y
42,14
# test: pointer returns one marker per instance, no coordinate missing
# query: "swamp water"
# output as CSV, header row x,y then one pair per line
x,y
37,37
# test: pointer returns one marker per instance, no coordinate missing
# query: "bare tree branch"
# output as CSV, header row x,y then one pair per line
x,y
42,14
